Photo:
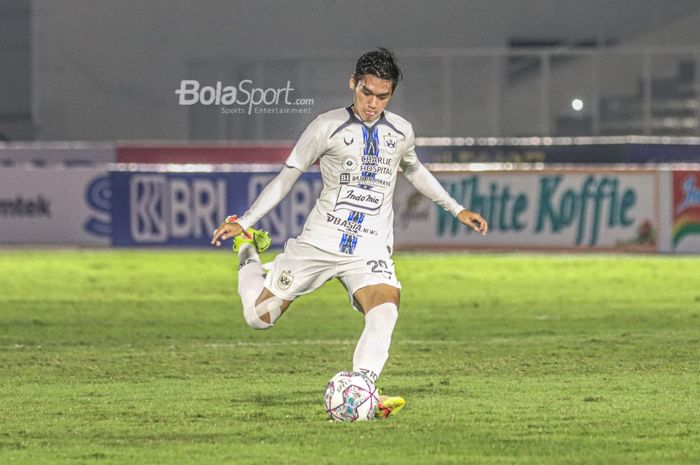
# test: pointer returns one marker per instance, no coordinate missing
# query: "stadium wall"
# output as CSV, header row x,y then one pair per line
x,y
652,208
115,71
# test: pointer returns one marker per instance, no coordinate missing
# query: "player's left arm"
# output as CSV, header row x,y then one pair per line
x,y
425,182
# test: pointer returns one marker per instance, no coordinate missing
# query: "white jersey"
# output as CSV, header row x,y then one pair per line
x,y
359,166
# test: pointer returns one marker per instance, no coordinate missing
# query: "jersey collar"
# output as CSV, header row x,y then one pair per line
x,y
354,119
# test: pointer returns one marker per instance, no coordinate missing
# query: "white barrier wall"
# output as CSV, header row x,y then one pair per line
x,y
55,206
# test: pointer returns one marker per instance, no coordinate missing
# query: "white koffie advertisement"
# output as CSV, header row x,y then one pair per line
x,y
536,209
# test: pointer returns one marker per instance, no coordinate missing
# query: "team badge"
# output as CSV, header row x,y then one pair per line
x,y
349,164
344,178
390,143
285,280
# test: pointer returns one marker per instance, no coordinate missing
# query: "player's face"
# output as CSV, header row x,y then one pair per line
x,y
370,96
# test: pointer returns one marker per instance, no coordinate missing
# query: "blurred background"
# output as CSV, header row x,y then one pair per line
x,y
101,70
114,86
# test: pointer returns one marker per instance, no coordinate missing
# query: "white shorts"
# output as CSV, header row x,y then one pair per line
x,y
303,268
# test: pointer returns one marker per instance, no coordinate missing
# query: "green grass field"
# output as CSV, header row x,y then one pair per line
x,y
137,357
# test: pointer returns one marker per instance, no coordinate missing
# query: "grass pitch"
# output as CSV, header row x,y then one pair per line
x,y
140,357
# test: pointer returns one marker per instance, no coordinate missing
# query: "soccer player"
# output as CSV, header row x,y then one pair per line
x,y
349,233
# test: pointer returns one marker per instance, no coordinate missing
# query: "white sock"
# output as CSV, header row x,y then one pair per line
x,y
250,275
372,350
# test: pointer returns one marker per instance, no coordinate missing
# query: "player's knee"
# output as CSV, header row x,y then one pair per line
x,y
385,315
392,312
263,315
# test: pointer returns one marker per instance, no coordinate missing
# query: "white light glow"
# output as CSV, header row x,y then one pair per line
x,y
577,104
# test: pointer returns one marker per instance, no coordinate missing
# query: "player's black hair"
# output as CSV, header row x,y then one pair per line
x,y
380,63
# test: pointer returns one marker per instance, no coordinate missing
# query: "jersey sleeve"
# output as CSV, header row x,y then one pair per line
x,y
409,156
273,194
426,184
310,146
423,180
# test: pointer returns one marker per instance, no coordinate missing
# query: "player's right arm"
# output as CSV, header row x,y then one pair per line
x,y
308,148
268,199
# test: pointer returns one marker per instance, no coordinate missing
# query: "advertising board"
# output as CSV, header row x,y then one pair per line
x,y
55,206
537,209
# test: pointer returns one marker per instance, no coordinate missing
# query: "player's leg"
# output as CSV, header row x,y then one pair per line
x,y
375,291
260,306
298,270
379,303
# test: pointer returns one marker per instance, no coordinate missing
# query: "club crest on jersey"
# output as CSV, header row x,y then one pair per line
x,y
285,280
390,143
350,164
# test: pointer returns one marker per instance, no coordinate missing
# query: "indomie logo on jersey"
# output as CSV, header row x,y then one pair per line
x,y
358,199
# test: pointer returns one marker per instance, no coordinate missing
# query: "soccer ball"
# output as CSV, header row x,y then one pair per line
x,y
351,396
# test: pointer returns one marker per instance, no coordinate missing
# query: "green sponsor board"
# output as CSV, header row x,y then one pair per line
x,y
538,209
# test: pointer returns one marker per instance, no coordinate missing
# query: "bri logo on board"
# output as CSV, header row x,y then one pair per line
x,y
163,208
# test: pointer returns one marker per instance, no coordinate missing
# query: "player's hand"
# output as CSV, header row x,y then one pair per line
x,y
226,231
474,221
